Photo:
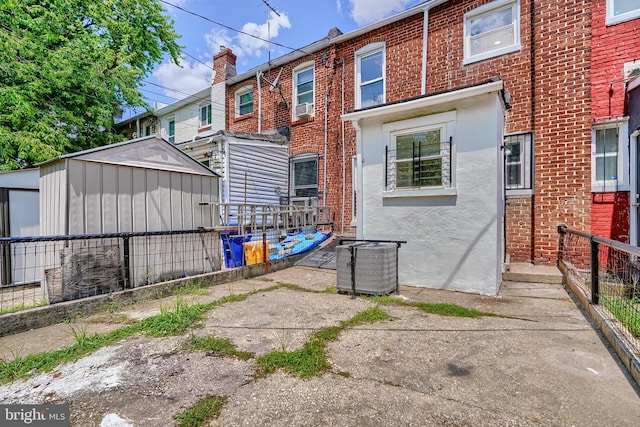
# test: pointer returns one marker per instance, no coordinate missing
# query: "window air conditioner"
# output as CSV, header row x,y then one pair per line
x,y
304,110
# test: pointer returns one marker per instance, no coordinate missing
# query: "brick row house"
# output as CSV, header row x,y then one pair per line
x,y
564,68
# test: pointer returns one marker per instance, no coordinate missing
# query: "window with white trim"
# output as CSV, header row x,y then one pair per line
x,y
354,189
304,175
370,75
419,154
622,10
491,30
205,115
244,101
171,130
303,89
518,161
609,161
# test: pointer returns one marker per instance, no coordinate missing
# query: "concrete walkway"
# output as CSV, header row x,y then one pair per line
x,y
539,363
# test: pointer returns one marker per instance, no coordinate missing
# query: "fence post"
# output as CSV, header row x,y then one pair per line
x,y
595,280
127,270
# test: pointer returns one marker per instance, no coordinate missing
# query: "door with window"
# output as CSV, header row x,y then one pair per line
x,y
634,197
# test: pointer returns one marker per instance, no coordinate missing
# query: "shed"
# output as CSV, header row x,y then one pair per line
x,y
142,185
145,184
430,172
19,217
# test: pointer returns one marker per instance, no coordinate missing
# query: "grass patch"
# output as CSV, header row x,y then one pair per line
x,y
442,309
626,310
311,359
166,323
291,286
331,290
218,345
22,306
205,409
112,307
192,289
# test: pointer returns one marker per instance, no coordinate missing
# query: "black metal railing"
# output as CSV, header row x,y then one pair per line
x,y
422,164
608,274
44,270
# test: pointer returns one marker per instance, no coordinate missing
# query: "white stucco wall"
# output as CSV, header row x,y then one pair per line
x,y
454,236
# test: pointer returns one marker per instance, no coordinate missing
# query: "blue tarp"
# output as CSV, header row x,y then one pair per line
x,y
298,243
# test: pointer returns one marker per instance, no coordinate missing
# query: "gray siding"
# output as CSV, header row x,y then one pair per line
x,y
266,168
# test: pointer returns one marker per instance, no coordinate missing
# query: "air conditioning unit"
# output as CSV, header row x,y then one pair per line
x,y
304,110
374,268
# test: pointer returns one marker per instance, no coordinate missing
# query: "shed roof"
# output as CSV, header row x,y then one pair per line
x,y
150,152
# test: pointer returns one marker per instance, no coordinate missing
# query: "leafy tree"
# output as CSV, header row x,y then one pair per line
x,y
66,66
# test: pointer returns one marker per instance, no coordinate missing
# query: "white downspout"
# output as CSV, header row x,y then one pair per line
x,y
423,87
258,77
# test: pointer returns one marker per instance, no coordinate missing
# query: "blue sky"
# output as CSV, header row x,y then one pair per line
x,y
299,23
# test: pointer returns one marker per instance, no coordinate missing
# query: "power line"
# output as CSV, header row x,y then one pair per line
x,y
233,29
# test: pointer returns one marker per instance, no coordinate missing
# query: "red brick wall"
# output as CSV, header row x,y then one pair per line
x,y
550,96
610,215
446,70
612,46
562,124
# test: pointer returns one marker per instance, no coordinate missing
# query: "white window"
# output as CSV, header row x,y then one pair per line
x,y
419,155
171,130
609,161
304,175
244,101
303,90
370,75
205,115
491,30
622,10
518,161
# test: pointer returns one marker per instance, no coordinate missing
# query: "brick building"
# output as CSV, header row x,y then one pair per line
x,y
564,63
615,61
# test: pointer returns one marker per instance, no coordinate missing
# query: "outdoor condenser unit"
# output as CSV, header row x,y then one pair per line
x,y
374,269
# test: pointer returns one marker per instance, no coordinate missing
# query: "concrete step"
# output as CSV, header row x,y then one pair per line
x,y
530,273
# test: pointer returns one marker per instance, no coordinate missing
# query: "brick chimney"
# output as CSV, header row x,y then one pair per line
x,y
224,65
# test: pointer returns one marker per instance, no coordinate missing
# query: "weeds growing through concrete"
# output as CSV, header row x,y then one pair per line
x,y
219,346
311,359
205,409
442,309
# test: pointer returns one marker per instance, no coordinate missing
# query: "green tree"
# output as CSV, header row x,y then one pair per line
x,y
66,66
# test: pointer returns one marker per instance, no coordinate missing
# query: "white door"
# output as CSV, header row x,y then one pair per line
x,y
24,221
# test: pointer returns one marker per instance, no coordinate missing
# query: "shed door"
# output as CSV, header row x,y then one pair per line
x,y
24,221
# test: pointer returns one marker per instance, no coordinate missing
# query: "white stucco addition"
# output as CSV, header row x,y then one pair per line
x,y
453,224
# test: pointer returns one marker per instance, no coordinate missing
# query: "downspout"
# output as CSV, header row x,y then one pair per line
x,y
423,88
425,37
258,77
326,140
344,167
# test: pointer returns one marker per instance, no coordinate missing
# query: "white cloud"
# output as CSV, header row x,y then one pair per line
x,y
368,11
339,6
243,45
192,77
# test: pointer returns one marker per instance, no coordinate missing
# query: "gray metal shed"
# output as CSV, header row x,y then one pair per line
x,y
142,185
145,184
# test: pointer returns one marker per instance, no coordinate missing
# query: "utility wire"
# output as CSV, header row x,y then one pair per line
x,y
233,29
